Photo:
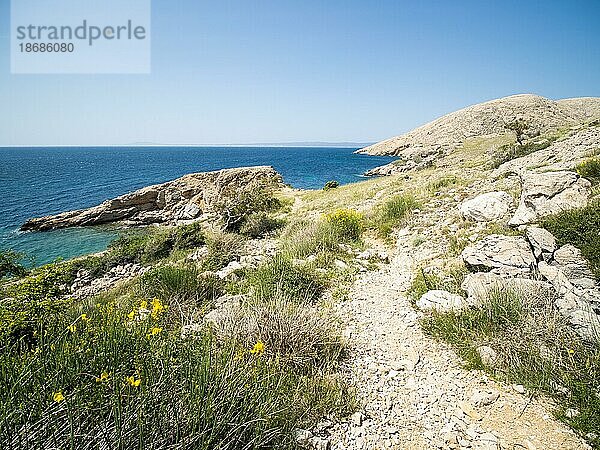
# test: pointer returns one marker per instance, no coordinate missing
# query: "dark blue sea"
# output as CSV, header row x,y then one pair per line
x,y
39,181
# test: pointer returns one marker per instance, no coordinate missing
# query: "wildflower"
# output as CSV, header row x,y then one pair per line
x,y
154,331
84,318
58,397
133,382
258,348
144,304
240,355
157,308
103,377
72,328
571,352
131,315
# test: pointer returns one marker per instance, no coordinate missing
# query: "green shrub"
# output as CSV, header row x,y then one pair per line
x,y
258,224
535,347
581,228
236,205
346,224
190,236
590,169
28,306
222,249
394,213
303,238
509,152
332,184
279,277
11,264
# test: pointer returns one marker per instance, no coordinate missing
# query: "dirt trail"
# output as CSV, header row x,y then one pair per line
x,y
412,390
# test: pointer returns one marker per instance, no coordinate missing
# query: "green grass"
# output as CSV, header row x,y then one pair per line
x,y
535,348
449,280
590,169
442,182
509,152
393,213
259,224
581,228
222,249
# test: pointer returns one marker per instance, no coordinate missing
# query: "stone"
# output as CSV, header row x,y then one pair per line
x,y
575,267
542,242
487,207
302,437
341,265
478,286
488,355
178,200
229,269
502,255
571,413
549,193
484,398
518,388
441,301
357,418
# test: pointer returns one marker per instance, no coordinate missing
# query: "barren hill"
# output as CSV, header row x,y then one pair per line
x,y
486,119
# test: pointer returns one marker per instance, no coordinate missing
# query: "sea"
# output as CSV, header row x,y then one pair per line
x,y
39,181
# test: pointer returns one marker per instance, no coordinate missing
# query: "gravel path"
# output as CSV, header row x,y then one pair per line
x,y
412,390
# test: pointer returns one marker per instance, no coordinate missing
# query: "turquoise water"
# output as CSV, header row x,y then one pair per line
x,y
40,181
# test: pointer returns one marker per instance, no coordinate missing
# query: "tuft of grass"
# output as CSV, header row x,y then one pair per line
x,y
346,224
259,224
581,228
222,249
535,348
590,169
280,277
449,280
508,152
442,182
394,213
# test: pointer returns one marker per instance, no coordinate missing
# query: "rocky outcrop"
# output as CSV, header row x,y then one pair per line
x,y
442,301
186,198
486,119
549,193
487,207
499,254
479,286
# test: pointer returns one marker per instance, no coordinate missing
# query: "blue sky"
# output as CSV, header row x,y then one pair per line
x,y
307,70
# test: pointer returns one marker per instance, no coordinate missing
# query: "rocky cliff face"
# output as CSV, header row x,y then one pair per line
x,y
186,198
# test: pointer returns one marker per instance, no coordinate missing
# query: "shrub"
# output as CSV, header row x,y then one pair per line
x,y
260,223
11,264
509,152
222,249
447,180
535,348
332,184
581,228
590,169
280,277
393,213
236,205
346,224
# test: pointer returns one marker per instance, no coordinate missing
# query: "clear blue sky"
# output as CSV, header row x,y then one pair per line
x,y
308,70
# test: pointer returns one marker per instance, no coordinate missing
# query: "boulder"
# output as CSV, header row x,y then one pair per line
x,y
441,301
183,199
542,242
502,255
549,193
478,286
487,207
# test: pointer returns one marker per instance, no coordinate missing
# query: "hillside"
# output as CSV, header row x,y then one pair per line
x,y
455,304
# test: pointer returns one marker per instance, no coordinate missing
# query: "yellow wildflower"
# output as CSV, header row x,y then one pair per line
x,y
131,315
103,377
58,397
258,348
571,352
133,382
240,355
72,328
85,318
154,331
157,308
144,304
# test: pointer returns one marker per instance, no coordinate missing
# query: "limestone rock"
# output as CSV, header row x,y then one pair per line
x,y
502,255
487,207
186,198
488,355
542,241
441,301
479,285
549,193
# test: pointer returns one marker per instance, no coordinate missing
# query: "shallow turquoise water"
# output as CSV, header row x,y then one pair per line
x,y
40,181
